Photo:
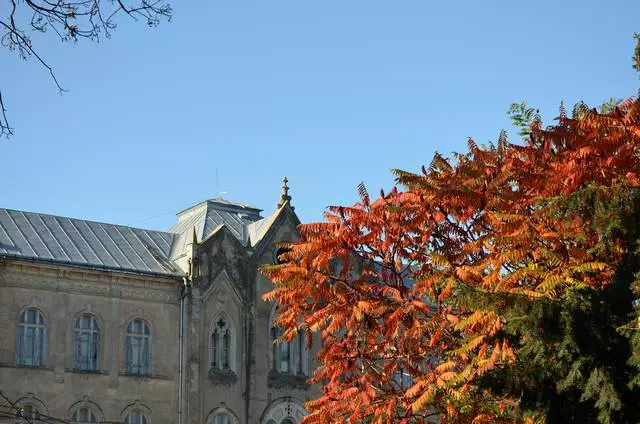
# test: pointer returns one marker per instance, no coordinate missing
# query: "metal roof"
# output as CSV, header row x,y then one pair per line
x,y
86,243
206,216
42,237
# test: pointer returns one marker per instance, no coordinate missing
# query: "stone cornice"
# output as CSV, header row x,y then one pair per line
x,y
105,283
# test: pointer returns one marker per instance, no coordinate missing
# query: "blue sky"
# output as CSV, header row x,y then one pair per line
x,y
328,93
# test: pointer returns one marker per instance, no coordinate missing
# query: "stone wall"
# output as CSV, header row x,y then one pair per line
x,y
61,294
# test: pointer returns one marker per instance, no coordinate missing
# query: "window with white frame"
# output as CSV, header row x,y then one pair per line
x,y
31,338
86,343
84,416
135,417
291,356
138,348
222,344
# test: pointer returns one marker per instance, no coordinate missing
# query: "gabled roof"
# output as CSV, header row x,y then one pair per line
x,y
72,241
206,216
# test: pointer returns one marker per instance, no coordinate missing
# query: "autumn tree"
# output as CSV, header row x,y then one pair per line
x,y
69,20
432,300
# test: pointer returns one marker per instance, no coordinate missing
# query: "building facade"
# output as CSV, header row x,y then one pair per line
x,y
102,323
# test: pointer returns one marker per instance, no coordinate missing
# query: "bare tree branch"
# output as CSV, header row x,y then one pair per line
x,y
71,20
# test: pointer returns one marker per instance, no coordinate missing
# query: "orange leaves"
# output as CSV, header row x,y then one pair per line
x,y
384,281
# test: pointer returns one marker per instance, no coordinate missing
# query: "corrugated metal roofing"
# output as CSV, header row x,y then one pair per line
x,y
87,243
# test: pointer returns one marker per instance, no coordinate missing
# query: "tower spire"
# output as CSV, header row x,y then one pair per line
x,y
284,196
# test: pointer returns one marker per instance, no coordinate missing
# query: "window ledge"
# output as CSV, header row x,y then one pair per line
x,y
281,380
29,367
225,377
79,371
145,376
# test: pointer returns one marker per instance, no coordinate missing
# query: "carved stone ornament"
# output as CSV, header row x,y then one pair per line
x,y
221,295
224,377
282,380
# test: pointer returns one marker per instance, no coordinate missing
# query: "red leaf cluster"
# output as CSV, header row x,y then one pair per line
x,y
379,280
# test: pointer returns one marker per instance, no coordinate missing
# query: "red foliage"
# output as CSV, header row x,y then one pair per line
x,y
379,280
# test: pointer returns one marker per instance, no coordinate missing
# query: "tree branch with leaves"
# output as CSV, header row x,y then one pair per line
x,y
70,21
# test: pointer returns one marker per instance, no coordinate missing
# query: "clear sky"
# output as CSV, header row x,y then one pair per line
x,y
329,93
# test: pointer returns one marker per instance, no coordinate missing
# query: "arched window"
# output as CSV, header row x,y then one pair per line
x,y
284,411
31,339
222,418
138,349
288,356
222,344
221,415
86,343
84,416
135,417
29,414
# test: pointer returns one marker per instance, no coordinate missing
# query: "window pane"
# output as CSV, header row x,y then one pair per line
x,y
226,349
30,346
146,360
32,316
284,357
221,418
214,349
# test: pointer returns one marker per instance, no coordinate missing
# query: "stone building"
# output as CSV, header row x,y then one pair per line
x,y
103,323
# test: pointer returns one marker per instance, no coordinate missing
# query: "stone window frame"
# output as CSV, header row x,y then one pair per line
x,y
30,400
97,343
282,409
298,363
85,403
143,370
21,337
222,411
91,419
136,408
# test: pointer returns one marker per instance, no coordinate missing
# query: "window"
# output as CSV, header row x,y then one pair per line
x,y
403,378
30,343
84,416
135,417
221,418
288,356
30,413
221,347
138,349
86,343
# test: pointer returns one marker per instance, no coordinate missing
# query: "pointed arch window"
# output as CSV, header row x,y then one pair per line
x,y
31,338
138,348
86,343
289,357
222,344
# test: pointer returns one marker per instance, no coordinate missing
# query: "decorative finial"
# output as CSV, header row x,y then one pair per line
x,y
284,197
